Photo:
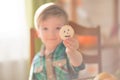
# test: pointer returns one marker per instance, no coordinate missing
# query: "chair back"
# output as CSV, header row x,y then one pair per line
x,y
90,47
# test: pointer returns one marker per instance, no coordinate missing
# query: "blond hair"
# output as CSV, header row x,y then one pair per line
x,y
47,10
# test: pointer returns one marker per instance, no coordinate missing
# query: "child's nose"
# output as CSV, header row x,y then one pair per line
x,y
52,33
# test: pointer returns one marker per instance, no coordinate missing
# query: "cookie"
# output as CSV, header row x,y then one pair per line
x,y
66,31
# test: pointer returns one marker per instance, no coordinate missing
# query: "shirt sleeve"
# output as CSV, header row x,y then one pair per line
x,y
74,71
32,69
77,69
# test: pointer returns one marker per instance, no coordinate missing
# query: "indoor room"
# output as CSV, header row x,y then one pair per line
x,y
97,28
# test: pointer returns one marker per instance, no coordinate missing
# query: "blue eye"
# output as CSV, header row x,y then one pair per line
x,y
58,28
45,28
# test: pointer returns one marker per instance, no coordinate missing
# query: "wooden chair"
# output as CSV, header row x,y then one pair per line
x,y
91,41
34,43
81,32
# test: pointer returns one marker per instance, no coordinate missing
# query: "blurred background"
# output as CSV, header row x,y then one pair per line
x,y
16,20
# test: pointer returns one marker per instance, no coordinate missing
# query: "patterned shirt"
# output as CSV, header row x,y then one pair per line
x,y
62,69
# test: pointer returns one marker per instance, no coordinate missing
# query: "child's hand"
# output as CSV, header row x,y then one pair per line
x,y
71,45
74,55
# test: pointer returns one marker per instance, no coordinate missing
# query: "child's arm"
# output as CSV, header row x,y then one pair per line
x,y
74,55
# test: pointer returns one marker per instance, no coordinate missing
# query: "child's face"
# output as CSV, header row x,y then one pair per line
x,y
48,31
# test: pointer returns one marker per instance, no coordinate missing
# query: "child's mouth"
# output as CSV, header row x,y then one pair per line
x,y
67,36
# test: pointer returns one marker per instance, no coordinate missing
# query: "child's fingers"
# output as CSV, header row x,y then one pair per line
x,y
72,42
68,46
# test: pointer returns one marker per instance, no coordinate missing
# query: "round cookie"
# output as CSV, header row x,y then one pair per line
x,y
66,31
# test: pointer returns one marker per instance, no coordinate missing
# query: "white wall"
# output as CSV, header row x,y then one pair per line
x,y
14,40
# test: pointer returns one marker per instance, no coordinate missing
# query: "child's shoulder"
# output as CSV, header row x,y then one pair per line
x,y
36,57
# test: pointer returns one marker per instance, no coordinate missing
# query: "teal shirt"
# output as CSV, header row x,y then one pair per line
x,y
64,72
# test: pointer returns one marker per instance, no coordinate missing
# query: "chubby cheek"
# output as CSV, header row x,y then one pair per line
x,y
58,36
43,37
59,39
40,35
